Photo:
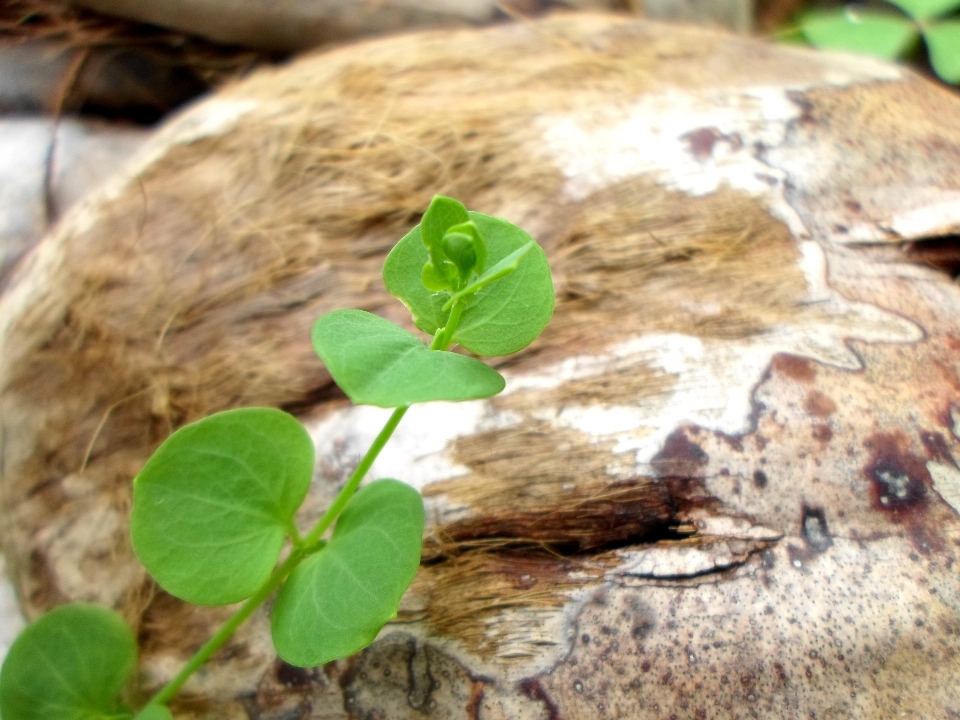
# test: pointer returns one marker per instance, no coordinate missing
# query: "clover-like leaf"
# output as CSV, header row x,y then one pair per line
x,y
377,363
71,664
212,506
336,601
926,9
943,43
504,316
154,712
882,35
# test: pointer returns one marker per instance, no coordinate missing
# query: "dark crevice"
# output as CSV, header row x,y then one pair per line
x,y
630,513
941,253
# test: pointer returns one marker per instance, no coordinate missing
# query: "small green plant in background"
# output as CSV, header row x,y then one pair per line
x,y
215,506
891,34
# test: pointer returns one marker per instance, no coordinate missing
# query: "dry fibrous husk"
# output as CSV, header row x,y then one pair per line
x,y
722,484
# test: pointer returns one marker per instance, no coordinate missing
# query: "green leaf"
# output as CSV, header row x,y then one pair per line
x,y
377,363
868,33
336,601
943,42
71,664
505,316
154,712
926,9
212,506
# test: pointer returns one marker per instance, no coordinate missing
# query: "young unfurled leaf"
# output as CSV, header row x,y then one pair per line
x,y
154,712
870,33
437,271
212,506
336,601
943,42
377,363
71,664
926,9
442,215
504,316
465,248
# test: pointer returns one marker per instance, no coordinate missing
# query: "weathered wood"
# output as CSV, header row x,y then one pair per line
x,y
722,484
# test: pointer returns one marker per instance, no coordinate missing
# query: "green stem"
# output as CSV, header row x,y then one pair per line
x,y
442,339
301,548
347,492
167,692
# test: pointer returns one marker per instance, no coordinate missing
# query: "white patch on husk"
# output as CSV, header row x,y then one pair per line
x,y
416,452
715,377
657,137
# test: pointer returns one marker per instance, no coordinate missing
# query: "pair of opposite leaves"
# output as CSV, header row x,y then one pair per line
x,y
213,506
207,542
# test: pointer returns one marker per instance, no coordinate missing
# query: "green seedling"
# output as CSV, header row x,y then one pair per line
x,y
891,34
215,507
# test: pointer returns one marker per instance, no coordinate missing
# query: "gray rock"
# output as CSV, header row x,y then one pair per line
x,y
48,165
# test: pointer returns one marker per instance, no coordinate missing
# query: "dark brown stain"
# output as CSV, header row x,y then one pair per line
x,y
924,539
816,403
899,487
852,206
795,368
899,478
680,457
937,447
532,689
822,433
760,479
701,141
476,698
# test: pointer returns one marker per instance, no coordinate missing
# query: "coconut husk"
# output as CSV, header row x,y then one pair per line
x,y
723,483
